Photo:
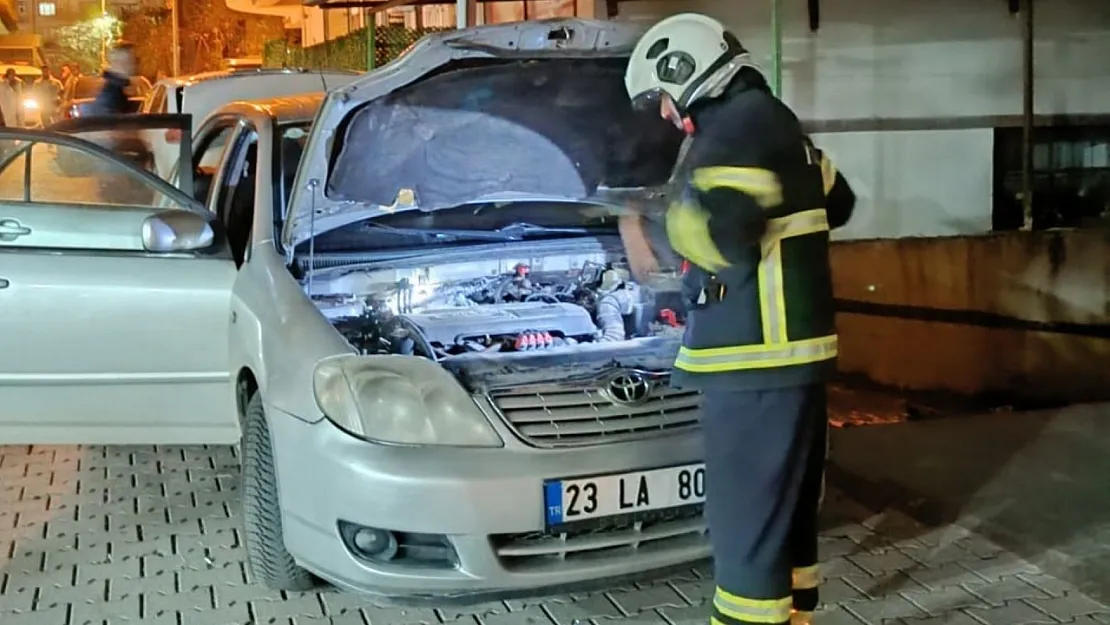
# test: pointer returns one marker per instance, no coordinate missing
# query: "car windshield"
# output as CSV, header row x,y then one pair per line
x,y
469,225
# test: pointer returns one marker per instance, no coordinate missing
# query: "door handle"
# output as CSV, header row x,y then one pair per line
x,y
11,229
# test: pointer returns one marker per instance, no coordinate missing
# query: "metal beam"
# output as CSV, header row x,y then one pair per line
x,y
1027,113
776,48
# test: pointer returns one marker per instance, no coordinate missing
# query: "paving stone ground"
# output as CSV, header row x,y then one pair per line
x,y
98,535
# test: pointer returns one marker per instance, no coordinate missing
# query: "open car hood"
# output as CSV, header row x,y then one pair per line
x,y
523,111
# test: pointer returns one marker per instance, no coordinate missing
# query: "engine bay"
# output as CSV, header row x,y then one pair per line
x,y
495,306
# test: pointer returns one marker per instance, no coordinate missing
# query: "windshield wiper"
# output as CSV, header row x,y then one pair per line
x,y
511,232
520,230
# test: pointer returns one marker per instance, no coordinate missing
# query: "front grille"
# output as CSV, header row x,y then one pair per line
x,y
612,537
554,416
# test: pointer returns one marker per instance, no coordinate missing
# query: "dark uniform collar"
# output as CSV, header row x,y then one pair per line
x,y
746,80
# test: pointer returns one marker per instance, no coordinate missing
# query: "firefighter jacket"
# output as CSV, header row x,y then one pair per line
x,y
752,217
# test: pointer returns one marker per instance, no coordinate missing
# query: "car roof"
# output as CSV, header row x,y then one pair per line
x,y
283,109
232,73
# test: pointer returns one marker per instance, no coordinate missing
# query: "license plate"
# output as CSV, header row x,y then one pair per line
x,y
567,501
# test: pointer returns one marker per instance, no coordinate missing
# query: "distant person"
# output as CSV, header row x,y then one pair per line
x,y
48,91
113,96
11,99
75,73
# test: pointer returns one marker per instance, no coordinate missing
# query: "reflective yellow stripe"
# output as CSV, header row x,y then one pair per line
x,y
759,356
772,297
806,577
752,610
688,232
828,173
804,222
761,184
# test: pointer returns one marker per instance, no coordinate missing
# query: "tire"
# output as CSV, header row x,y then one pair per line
x,y
267,557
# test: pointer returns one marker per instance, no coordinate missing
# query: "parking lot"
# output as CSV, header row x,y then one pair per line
x,y
94,535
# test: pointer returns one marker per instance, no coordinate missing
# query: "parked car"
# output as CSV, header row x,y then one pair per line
x,y
200,94
425,339
81,93
245,62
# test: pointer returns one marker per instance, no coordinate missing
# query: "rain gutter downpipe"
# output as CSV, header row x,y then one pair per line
x,y
1027,114
776,48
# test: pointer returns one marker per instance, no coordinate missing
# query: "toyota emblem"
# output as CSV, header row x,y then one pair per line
x,y
629,389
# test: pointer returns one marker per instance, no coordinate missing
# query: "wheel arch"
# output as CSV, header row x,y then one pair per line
x,y
246,387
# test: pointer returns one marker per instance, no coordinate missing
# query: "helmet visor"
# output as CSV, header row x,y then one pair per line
x,y
648,100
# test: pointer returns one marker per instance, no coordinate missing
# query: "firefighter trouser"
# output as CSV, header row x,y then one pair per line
x,y
765,456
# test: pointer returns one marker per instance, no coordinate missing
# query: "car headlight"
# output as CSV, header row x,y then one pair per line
x,y
30,103
403,400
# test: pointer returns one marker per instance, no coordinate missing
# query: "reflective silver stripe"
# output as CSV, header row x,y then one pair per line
x,y
753,610
756,356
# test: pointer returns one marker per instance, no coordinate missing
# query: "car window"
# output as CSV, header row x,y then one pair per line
x,y
237,192
60,174
293,139
158,100
209,152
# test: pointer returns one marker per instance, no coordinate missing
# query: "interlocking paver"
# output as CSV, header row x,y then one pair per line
x,y
1009,589
944,600
1013,613
1069,607
952,618
943,576
885,609
142,535
649,598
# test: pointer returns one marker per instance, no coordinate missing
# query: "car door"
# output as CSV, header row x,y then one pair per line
x,y
104,337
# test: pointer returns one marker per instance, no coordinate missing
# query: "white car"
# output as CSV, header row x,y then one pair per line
x,y
421,329
200,94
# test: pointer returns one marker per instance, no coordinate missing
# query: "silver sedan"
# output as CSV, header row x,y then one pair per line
x,y
414,315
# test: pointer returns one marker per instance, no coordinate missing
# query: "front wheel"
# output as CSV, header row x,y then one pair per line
x,y
267,557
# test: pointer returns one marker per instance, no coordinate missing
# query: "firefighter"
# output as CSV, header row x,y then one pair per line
x,y
752,219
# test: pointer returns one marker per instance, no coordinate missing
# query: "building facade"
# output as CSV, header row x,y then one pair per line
x,y
920,102
316,25
44,17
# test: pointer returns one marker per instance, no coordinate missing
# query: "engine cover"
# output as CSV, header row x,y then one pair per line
x,y
446,326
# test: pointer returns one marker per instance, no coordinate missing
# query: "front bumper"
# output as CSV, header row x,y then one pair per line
x,y
487,504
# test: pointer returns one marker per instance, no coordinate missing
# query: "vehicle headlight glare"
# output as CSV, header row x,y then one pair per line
x,y
402,400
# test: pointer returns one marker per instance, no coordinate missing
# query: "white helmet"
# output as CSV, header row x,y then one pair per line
x,y
687,56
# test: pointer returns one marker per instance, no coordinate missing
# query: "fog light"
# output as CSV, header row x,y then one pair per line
x,y
369,543
375,544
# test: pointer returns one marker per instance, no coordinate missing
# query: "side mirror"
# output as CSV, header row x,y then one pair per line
x,y
177,231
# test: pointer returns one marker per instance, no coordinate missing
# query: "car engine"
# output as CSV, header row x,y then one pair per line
x,y
487,307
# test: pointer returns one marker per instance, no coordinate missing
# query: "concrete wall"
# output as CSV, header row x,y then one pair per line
x,y
1026,314
898,59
